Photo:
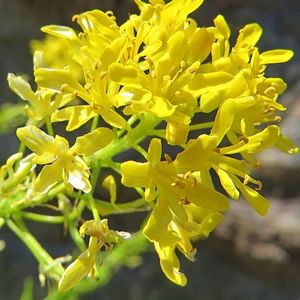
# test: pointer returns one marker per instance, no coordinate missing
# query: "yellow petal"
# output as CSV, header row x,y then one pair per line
x,y
202,196
110,184
126,75
196,154
36,139
54,79
222,26
176,51
200,45
95,20
227,113
158,221
112,118
211,100
154,151
228,184
255,143
178,10
80,268
286,145
249,35
205,81
275,56
190,6
60,31
160,107
262,140
76,116
21,87
48,177
170,264
177,133
257,201
135,174
169,238
209,223
75,272
176,207
93,141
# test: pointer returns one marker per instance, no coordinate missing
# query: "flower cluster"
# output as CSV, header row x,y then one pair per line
x,y
157,75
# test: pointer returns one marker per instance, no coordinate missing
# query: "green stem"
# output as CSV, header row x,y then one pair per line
x,y
95,174
161,133
133,137
71,218
78,240
49,126
42,256
106,208
42,218
77,212
95,122
129,123
93,206
201,126
22,147
140,150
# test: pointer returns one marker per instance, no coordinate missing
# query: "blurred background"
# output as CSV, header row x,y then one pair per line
x,y
247,257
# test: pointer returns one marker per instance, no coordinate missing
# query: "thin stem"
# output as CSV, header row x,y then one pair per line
x,y
128,125
42,218
106,208
78,240
142,151
77,212
201,126
95,122
93,206
95,174
42,256
161,133
133,137
49,126
115,166
22,147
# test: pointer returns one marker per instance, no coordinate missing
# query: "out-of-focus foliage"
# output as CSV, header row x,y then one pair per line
x,y
11,116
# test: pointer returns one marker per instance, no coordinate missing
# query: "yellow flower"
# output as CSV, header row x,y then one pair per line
x,y
61,161
203,154
158,83
170,225
249,98
201,222
100,236
42,102
55,51
99,45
